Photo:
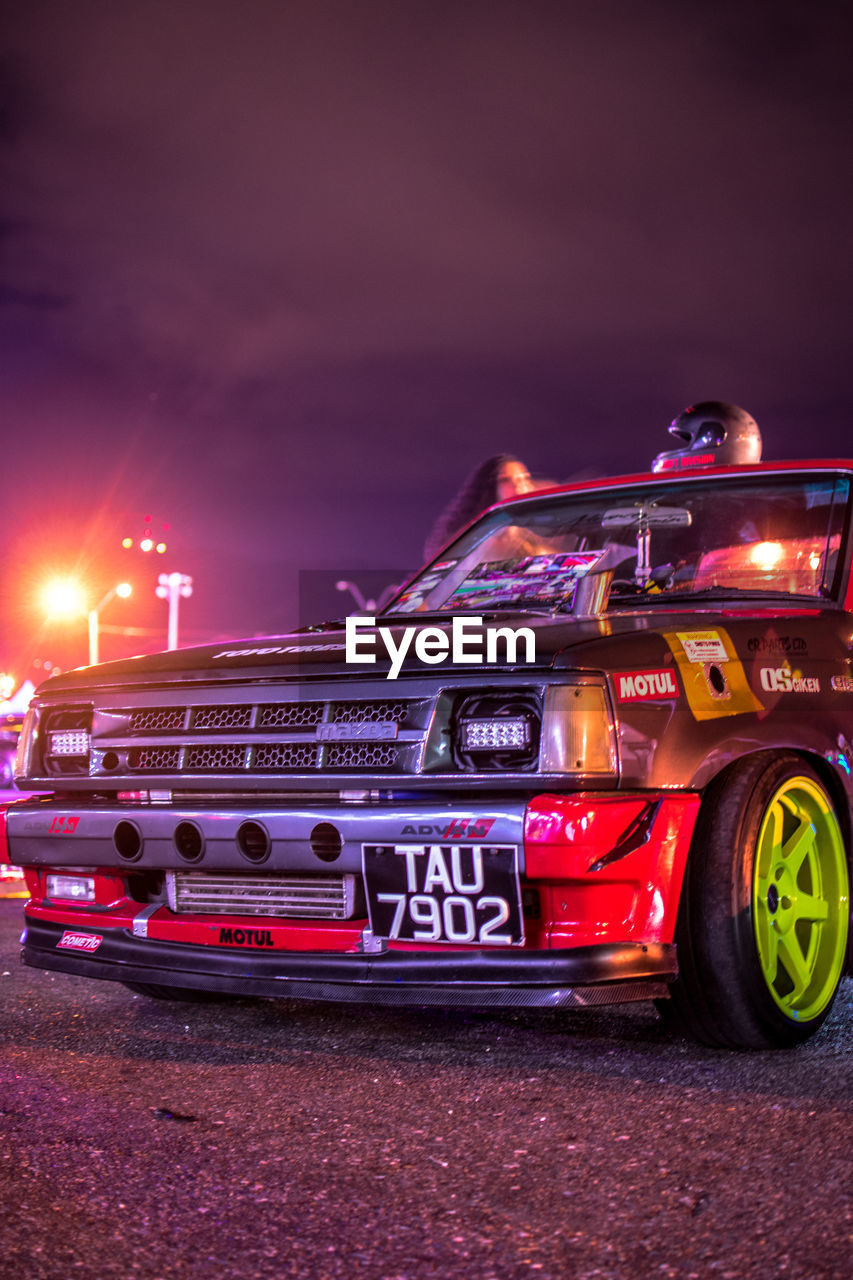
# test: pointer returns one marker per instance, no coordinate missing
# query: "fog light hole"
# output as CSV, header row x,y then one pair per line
x,y
253,841
189,841
127,839
326,842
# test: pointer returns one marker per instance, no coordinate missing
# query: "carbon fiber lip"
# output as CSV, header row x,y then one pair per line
x,y
533,979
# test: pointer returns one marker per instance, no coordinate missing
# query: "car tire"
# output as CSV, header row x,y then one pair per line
x,y
186,995
765,909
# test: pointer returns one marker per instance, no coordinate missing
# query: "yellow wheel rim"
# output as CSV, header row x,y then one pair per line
x,y
801,906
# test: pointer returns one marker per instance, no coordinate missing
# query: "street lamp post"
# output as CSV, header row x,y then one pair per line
x,y
123,589
172,587
355,591
367,606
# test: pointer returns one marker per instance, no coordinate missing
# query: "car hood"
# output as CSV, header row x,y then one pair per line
x,y
566,643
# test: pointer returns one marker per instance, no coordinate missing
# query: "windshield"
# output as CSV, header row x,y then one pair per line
x,y
592,550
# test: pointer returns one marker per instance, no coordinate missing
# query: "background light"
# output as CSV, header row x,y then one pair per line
x,y
64,598
766,555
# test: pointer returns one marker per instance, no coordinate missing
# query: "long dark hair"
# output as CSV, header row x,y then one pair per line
x,y
479,491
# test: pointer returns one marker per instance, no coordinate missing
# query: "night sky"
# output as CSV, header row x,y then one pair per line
x,y
279,275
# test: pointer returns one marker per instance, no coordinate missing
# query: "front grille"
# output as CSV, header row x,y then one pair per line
x,y
234,717
244,741
227,756
361,755
287,896
157,719
291,715
375,712
154,758
285,755
288,733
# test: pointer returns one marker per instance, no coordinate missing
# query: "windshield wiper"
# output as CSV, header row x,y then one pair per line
x,y
447,615
330,624
649,595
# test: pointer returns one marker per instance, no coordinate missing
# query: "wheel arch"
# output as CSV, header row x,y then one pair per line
x,y
727,993
835,788
838,795
827,773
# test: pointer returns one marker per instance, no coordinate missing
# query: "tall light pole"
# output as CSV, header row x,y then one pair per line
x,y
367,606
123,589
172,587
355,591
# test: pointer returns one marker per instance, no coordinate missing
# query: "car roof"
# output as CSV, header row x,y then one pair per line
x,y
689,473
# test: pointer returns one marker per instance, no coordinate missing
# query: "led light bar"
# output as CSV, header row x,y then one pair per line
x,y
69,742
501,733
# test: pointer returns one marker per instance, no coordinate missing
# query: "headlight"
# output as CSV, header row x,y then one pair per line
x,y
72,888
26,741
64,735
577,731
497,732
511,733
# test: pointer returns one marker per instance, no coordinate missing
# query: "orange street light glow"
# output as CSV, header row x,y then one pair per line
x,y
64,598
766,555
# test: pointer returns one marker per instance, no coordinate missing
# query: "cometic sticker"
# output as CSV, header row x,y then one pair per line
x,y
80,941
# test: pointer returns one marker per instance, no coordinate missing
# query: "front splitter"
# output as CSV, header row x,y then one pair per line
x,y
584,976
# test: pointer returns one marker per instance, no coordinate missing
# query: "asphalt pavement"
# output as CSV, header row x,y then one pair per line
x,y
264,1139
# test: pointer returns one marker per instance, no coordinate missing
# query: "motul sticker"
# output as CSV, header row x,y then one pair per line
x,y
645,686
246,938
703,646
80,941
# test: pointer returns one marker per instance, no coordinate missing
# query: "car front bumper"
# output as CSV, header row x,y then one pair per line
x,y
610,973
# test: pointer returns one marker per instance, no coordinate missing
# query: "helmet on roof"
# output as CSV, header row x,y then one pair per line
x,y
713,433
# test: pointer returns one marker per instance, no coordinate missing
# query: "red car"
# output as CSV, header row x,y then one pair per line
x,y
599,750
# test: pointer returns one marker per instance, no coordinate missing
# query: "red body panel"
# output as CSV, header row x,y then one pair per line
x,y
634,897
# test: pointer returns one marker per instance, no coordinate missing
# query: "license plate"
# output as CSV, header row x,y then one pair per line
x,y
444,893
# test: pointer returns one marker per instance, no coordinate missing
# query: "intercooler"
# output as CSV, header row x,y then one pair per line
x,y
310,897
